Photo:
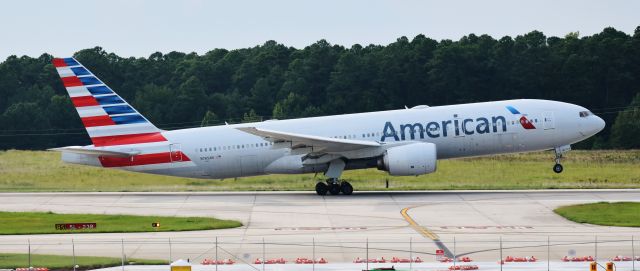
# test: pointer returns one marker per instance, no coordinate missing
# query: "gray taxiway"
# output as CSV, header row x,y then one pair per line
x,y
339,228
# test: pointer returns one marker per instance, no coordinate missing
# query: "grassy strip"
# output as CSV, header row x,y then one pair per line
x,y
39,223
623,214
36,171
12,260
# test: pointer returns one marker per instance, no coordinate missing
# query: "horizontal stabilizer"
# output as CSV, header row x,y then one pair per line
x,y
94,152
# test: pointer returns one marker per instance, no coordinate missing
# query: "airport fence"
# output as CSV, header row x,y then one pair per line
x,y
510,252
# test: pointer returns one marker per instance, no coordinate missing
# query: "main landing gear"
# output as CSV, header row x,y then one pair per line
x,y
557,168
334,186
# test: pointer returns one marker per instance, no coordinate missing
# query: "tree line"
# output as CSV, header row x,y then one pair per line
x,y
176,90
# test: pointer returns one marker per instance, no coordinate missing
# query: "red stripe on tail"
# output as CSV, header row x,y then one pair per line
x,y
59,62
142,159
84,101
97,121
127,139
71,81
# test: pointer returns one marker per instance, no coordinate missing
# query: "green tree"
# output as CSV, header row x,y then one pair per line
x,y
626,129
175,90
251,117
209,119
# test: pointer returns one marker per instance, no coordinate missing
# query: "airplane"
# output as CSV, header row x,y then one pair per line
x,y
404,142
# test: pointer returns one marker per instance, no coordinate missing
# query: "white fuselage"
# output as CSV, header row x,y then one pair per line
x,y
463,130
223,151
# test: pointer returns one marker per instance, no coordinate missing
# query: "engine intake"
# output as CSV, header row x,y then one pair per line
x,y
407,160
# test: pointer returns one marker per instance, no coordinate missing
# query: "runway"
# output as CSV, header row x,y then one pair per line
x,y
338,228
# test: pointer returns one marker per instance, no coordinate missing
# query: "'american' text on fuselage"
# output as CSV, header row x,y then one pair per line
x,y
437,129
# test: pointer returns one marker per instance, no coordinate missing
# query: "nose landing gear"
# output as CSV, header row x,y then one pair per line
x,y
557,168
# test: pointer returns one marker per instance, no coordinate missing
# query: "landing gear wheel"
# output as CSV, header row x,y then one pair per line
x,y
346,188
557,168
321,188
334,189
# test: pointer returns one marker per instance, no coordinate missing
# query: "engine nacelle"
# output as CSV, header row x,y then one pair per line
x,y
411,159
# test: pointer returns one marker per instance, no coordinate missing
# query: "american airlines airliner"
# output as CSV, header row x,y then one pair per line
x,y
402,142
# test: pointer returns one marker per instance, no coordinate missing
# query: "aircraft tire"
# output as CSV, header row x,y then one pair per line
x,y
557,168
346,188
334,189
322,188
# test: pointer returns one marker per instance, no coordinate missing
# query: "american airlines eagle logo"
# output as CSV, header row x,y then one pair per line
x,y
526,123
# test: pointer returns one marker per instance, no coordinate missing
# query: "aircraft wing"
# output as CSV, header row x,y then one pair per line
x,y
318,143
94,152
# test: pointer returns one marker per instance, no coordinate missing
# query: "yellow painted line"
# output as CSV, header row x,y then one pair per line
x,y
420,229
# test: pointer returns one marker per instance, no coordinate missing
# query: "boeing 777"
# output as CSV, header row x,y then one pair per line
x,y
402,142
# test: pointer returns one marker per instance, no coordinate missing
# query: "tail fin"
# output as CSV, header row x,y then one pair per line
x,y
108,118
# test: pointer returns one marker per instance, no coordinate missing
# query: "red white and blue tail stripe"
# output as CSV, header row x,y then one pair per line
x,y
108,118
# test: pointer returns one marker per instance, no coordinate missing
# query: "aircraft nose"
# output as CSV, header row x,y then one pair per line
x,y
594,125
599,123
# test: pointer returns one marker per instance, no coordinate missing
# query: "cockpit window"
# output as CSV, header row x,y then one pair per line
x,y
584,114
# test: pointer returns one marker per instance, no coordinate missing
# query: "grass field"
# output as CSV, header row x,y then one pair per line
x,y
11,260
38,223
624,214
34,171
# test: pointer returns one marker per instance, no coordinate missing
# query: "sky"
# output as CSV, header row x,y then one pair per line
x,y
141,27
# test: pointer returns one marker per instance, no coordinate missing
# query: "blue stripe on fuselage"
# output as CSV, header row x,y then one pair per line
x,y
513,110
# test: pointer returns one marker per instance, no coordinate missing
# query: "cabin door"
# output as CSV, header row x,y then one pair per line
x,y
548,121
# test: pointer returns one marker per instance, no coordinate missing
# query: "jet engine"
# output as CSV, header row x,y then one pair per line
x,y
410,159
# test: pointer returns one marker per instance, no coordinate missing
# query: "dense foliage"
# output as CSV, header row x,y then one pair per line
x,y
600,72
